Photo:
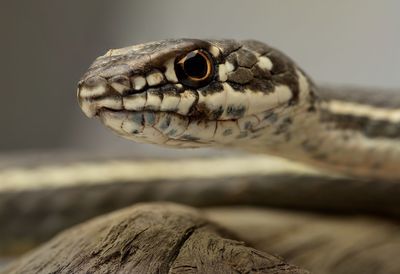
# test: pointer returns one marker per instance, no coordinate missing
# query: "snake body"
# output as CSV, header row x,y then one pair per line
x,y
242,94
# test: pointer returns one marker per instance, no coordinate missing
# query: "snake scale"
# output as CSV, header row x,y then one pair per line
x,y
246,95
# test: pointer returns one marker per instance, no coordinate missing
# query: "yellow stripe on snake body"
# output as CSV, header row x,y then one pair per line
x,y
243,94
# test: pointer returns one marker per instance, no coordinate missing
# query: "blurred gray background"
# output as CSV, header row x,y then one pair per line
x,y
47,45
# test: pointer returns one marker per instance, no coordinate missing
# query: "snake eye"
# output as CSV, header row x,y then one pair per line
x,y
195,69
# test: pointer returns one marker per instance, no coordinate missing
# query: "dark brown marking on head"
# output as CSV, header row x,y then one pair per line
x,y
237,87
170,89
241,75
279,62
260,73
200,110
242,58
155,92
283,72
211,88
262,85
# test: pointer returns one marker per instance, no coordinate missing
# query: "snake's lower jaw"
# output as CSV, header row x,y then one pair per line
x,y
156,127
172,129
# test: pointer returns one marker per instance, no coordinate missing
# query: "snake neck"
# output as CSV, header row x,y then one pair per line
x,y
353,139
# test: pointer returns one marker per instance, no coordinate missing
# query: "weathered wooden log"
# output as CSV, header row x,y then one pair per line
x,y
153,238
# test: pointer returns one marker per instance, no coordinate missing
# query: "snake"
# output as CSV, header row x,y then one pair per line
x,y
246,95
196,93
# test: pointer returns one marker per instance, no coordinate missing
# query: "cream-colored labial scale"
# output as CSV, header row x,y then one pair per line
x,y
170,102
153,101
170,71
138,82
155,78
186,102
135,101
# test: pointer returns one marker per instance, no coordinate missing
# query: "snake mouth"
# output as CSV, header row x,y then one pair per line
x,y
189,117
194,116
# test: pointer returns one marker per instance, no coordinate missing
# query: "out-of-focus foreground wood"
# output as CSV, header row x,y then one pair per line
x,y
158,238
323,244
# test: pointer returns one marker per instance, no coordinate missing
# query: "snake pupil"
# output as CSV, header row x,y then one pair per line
x,y
195,65
195,69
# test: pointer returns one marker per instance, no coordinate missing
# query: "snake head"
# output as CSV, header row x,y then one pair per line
x,y
189,92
